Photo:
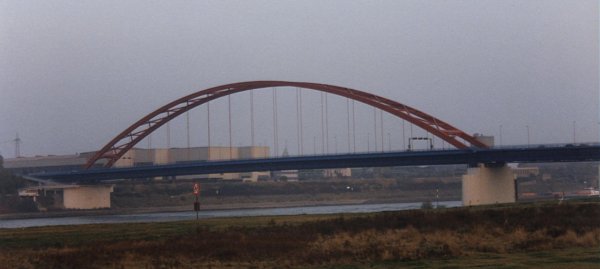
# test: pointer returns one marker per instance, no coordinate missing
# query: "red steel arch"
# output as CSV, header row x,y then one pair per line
x,y
123,142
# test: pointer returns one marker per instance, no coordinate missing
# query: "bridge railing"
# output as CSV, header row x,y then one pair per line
x,y
556,145
530,146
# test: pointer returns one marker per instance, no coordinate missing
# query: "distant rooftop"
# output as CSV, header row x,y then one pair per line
x,y
42,161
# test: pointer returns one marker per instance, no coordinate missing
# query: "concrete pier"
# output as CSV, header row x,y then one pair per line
x,y
70,196
87,197
484,185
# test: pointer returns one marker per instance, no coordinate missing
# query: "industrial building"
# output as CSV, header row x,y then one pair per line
x,y
41,164
139,157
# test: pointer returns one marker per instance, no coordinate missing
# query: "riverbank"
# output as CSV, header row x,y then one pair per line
x,y
526,234
209,214
181,208
236,202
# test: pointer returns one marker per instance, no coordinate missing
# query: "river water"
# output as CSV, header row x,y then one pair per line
x,y
191,215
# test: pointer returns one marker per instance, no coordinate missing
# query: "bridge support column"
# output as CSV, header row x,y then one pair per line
x,y
87,197
484,185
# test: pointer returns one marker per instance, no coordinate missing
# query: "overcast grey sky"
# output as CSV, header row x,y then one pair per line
x,y
73,74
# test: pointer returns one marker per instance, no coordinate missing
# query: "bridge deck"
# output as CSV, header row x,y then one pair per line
x,y
542,153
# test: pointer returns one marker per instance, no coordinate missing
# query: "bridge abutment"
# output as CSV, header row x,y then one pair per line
x,y
488,184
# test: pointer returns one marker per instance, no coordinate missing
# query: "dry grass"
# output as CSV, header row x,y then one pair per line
x,y
291,242
412,244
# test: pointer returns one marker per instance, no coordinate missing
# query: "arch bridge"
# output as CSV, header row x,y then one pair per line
x,y
488,180
128,138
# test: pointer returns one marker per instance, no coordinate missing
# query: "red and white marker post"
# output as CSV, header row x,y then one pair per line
x,y
196,203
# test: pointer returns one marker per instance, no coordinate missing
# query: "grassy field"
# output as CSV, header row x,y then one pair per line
x,y
516,236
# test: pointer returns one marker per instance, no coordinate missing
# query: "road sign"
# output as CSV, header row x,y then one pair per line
x,y
196,189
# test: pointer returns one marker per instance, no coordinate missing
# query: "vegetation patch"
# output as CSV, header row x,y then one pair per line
x,y
517,236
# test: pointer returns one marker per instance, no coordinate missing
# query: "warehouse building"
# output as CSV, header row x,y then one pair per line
x,y
140,157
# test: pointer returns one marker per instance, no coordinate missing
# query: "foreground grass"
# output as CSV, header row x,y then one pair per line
x,y
520,236
574,258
